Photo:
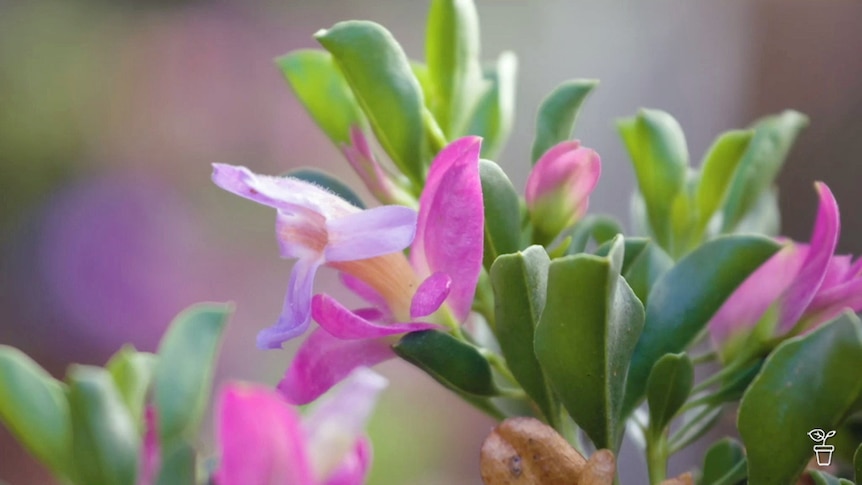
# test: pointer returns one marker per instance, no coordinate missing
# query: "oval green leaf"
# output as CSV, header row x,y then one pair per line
x,y
686,297
558,113
502,212
585,339
455,364
494,113
657,147
183,376
105,439
132,372
383,83
323,91
804,384
668,387
719,167
33,407
724,463
643,265
452,54
520,285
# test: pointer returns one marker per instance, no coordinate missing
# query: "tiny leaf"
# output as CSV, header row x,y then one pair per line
x,y
558,113
502,213
494,113
455,364
724,463
383,83
132,372
668,387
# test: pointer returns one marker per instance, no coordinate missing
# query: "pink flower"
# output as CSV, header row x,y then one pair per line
x,y
434,287
373,175
262,440
800,287
316,227
559,186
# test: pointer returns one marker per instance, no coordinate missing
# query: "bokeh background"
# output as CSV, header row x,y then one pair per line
x,y
111,113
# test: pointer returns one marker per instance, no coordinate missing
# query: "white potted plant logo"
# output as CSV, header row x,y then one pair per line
x,y
823,451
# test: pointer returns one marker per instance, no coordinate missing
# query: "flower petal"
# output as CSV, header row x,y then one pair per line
x,y
323,360
337,422
430,295
355,466
345,324
757,293
830,303
296,312
370,233
810,277
284,193
261,440
363,290
450,230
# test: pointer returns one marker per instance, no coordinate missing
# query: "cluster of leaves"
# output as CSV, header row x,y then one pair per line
x,y
588,336
92,427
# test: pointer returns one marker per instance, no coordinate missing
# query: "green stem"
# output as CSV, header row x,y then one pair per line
x,y
656,455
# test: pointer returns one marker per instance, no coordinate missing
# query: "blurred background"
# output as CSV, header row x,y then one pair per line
x,y
111,113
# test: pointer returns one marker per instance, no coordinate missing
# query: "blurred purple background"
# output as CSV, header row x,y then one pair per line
x,y
112,112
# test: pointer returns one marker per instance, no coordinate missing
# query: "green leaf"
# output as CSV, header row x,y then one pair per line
x,y
494,113
719,167
132,372
502,212
381,78
585,338
686,297
105,439
600,229
33,407
328,182
643,265
656,145
520,284
823,478
857,463
323,91
724,463
764,217
668,387
557,114
183,376
452,53
772,140
455,364
179,465
804,384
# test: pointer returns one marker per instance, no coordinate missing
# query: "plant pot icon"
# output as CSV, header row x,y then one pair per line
x,y
824,454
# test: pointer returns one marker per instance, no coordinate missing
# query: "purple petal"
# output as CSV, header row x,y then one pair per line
x,y
337,422
430,295
301,234
296,312
370,233
831,302
355,466
823,242
261,440
757,293
566,167
284,193
450,230
323,360
345,324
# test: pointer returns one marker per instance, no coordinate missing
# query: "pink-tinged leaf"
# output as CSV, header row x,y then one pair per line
x,y
430,295
150,460
370,233
757,293
810,277
261,440
296,312
283,193
323,361
450,230
345,324
355,466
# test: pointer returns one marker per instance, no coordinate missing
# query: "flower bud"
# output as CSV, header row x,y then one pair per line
x,y
559,187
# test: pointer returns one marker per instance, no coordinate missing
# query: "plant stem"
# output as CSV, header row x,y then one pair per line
x,y
656,455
